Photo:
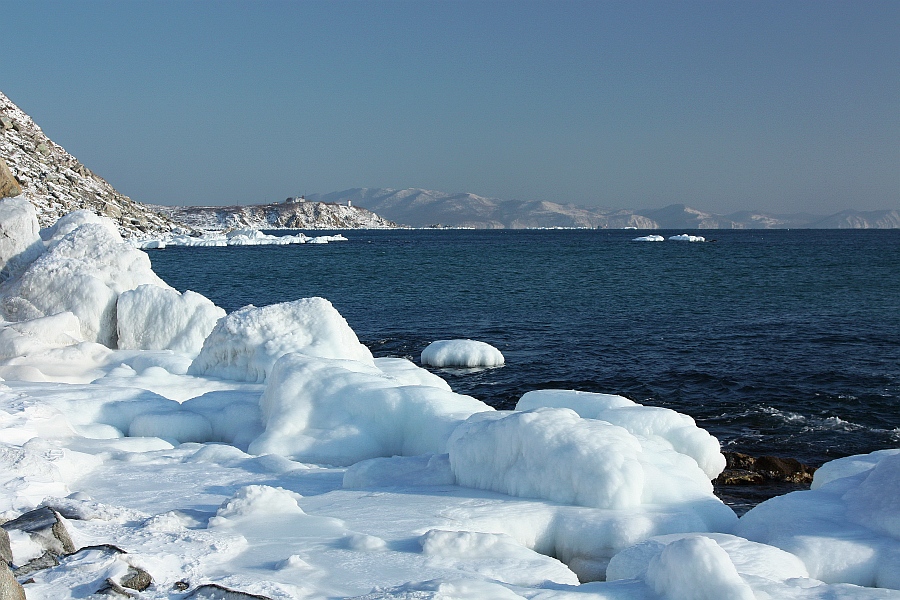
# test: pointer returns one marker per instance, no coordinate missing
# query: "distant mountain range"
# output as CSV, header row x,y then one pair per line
x,y
427,208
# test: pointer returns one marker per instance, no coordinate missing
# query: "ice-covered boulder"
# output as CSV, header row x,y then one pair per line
x,y
82,272
20,242
846,529
245,344
153,318
340,412
461,353
554,454
678,431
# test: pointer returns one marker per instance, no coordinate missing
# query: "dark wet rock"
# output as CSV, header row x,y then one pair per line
x,y
743,469
211,591
46,528
10,589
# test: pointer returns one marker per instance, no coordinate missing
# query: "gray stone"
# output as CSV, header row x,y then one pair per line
x,y
136,579
5,548
212,591
46,527
45,561
111,588
10,589
5,123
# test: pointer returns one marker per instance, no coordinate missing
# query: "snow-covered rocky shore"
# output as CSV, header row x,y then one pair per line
x,y
152,446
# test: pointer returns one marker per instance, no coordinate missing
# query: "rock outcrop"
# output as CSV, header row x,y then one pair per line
x,y
57,183
290,214
743,469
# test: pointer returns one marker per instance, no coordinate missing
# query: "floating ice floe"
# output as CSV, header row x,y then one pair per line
x,y
649,238
687,238
284,462
461,353
235,237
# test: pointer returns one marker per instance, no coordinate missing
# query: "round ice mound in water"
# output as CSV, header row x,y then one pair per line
x,y
461,353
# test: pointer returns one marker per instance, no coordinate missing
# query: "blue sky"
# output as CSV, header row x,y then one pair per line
x,y
778,106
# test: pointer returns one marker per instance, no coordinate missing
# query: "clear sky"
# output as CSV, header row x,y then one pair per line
x,y
780,106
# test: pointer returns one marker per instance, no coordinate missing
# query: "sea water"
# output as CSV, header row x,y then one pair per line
x,y
777,342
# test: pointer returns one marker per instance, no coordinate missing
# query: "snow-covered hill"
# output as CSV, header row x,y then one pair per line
x,y
424,208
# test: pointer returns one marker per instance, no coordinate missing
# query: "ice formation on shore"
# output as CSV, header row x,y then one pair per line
x,y
177,452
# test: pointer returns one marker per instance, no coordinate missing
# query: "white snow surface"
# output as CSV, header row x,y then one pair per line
x,y
226,475
461,353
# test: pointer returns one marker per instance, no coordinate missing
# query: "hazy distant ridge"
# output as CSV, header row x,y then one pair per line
x,y
424,208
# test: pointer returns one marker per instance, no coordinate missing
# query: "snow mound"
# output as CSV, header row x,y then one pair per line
x,y
257,500
155,318
678,431
245,344
846,530
554,454
340,412
82,272
461,353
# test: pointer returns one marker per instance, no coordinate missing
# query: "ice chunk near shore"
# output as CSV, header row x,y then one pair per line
x,y
20,241
150,317
554,454
82,272
846,529
339,412
37,335
676,430
245,344
461,353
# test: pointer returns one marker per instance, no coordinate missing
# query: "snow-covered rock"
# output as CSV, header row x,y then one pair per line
x,y
82,272
673,429
554,454
245,345
155,318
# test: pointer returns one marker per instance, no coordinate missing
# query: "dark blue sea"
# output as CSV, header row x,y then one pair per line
x,y
779,342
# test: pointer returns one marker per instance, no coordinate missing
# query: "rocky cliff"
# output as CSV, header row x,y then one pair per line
x,y
57,183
